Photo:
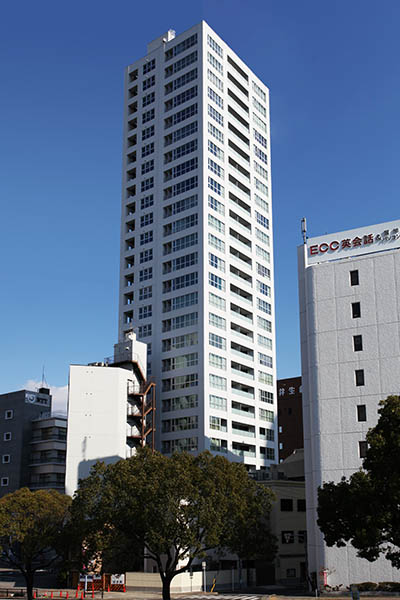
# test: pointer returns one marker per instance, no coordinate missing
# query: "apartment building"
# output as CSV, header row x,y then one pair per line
x,y
349,286
32,442
196,280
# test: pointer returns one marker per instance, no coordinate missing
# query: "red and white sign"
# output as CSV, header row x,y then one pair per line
x,y
384,236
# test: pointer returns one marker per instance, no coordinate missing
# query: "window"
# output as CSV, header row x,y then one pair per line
x,y
146,238
180,188
262,220
146,220
261,155
9,414
263,271
212,130
180,403
216,262
147,184
145,292
361,412
181,224
265,360
181,98
356,310
148,115
362,449
216,281
181,151
218,424
215,63
149,66
180,206
260,123
215,150
290,572
148,83
148,132
148,99
261,203
213,44
217,301
266,415
264,306
181,64
258,106
264,254
354,280
7,436
181,445
287,537
216,223
181,115
181,133
215,97
214,114
215,168
263,288
181,81
266,396
145,311
260,93
263,237
180,424
217,382
217,361
5,459
181,47
260,138
286,504
146,274
359,375
216,242
357,343
146,202
217,402
218,445
216,187
145,330
261,171
148,149
301,505
4,481
215,80
147,167
217,321
216,205
180,382
217,341
264,324
146,255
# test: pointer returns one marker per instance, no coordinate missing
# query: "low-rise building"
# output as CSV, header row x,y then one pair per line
x,y
32,442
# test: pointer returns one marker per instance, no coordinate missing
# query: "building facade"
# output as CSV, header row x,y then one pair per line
x,y
290,416
349,288
196,279
111,407
32,442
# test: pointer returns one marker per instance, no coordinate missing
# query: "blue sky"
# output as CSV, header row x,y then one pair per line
x,y
332,68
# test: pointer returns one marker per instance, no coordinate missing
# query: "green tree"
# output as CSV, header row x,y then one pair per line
x,y
364,509
31,527
171,509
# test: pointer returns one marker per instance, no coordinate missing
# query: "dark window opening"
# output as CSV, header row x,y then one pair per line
x,y
357,343
356,310
360,380
354,279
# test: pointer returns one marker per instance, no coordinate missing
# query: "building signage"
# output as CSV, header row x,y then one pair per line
x,y
385,236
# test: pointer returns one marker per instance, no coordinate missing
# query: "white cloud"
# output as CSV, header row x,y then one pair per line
x,y
59,393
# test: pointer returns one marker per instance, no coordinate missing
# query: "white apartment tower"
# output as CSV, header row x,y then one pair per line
x,y
349,287
196,280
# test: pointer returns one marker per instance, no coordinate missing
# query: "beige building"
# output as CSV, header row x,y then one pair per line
x,y
288,519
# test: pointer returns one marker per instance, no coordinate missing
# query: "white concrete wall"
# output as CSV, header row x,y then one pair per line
x,y
96,419
330,397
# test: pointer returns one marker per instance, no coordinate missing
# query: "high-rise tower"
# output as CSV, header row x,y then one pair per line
x,y
196,278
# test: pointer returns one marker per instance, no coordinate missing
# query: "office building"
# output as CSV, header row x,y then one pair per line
x,y
111,408
32,442
349,287
290,416
196,279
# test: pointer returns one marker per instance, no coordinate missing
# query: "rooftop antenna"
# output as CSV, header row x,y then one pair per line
x,y
44,382
304,229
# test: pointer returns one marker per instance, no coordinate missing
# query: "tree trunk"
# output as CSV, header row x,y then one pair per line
x,y
166,588
29,584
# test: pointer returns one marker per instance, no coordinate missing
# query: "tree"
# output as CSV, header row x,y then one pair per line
x,y
174,509
31,526
364,510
